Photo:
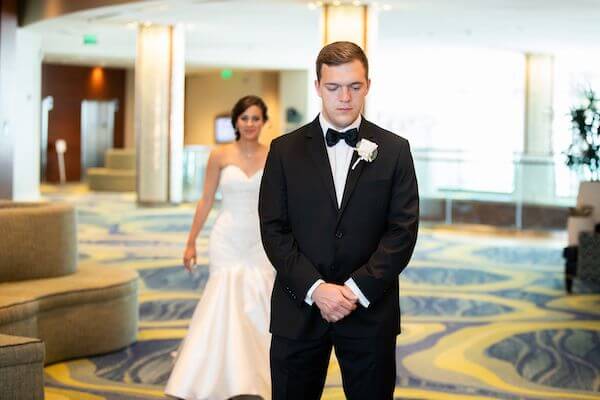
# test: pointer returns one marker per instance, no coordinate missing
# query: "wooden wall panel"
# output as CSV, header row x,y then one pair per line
x,y
69,86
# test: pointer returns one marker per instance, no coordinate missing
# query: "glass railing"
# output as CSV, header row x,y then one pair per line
x,y
453,175
194,166
516,178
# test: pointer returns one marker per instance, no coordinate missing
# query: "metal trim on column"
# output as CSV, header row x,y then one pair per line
x,y
177,107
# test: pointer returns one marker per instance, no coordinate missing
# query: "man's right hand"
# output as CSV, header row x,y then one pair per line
x,y
334,301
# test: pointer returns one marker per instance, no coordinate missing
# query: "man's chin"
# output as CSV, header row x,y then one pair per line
x,y
343,122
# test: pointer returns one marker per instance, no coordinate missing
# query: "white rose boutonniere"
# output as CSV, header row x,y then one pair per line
x,y
366,150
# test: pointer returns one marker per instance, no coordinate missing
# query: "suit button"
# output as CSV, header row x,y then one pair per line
x,y
339,234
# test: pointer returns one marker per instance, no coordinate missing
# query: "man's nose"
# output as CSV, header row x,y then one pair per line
x,y
345,94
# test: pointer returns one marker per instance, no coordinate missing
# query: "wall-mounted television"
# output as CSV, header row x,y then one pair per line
x,y
224,132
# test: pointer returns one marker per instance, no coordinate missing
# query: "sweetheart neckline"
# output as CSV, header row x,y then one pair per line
x,y
243,172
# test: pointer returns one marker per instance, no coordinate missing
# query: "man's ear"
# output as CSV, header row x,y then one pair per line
x,y
368,85
317,87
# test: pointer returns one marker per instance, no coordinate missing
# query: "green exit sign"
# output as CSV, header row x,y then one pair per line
x,y
90,40
226,74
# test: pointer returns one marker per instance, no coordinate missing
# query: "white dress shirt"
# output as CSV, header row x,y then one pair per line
x,y
339,156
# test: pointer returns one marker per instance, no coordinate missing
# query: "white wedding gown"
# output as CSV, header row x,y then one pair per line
x,y
226,350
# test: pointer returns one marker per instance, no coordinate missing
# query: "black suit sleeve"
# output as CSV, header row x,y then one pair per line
x,y
294,270
398,242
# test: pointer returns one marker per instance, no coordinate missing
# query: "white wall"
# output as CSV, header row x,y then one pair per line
x,y
207,95
27,111
294,92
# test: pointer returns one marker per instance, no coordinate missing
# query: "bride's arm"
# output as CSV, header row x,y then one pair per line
x,y
211,182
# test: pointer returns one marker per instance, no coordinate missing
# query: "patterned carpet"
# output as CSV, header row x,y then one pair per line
x,y
484,315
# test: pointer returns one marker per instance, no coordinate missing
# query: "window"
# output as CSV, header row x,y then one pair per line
x,y
573,73
461,108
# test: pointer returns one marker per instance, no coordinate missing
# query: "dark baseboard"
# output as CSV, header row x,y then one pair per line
x,y
535,217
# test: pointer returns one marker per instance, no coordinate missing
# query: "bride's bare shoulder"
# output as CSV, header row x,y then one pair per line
x,y
222,151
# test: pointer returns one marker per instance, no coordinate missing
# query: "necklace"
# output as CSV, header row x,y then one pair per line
x,y
247,154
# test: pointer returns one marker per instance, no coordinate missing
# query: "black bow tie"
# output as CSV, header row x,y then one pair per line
x,y
333,136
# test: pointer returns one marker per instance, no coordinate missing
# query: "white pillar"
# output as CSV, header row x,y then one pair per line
x,y
8,89
345,22
159,101
534,175
538,123
26,167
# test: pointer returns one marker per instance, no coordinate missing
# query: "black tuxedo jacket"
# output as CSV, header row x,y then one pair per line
x,y
306,237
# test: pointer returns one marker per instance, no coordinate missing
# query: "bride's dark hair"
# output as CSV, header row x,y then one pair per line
x,y
242,105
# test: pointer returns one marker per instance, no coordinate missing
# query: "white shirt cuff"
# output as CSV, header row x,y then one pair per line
x,y
361,297
308,299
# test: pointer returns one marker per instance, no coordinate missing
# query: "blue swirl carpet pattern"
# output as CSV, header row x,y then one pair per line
x,y
484,316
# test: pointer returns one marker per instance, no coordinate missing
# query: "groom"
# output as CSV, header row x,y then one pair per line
x,y
338,228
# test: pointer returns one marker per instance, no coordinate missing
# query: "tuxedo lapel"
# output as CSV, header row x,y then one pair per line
x,y
354,174
316,148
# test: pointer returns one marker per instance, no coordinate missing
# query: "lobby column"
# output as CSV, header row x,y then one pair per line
x,y
8,43
538,128
345,22
159,107
535,173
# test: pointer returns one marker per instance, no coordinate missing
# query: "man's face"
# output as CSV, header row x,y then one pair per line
x,y
342,89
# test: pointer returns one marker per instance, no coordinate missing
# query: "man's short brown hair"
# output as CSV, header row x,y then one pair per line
x,y
338,53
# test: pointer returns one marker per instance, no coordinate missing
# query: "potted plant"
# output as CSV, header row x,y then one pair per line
x,y
583,155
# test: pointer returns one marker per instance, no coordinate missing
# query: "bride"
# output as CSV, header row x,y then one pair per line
x,y
226,350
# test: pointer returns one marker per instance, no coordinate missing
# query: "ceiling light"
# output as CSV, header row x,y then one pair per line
x,y
356,3
336,3
319,4
311,6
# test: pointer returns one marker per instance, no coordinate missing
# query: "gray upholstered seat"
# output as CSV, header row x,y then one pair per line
x,y
21,372
118,174
46,301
